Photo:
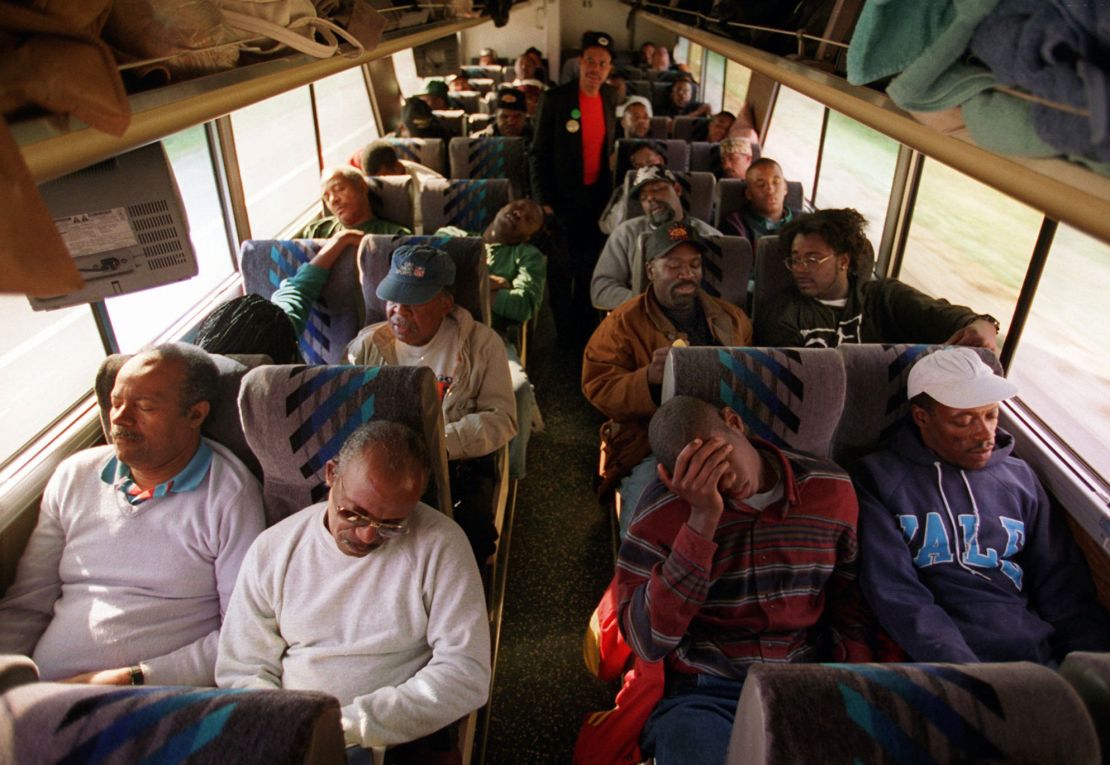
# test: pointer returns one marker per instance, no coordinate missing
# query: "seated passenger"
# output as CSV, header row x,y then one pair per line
x,y
380,158
424,327
618,81
617,276
622,368
680,100
511,120
732,158
647,52
418,121
524,68
532,90
635,114
371,596
130,568
715,129
459,82
643,154
740,553
961,559
252,324
353,204
438,96
488,57
829,304
765,210
661,66
517,271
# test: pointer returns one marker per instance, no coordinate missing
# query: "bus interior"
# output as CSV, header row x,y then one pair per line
x,y
1024,239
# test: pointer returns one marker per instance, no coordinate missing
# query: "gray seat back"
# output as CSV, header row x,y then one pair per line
x,y
683,126
1004,712
337,315
492,157
471,272
425,151
110,724
677,153
296,418
875,404
468,204
396,195
791,397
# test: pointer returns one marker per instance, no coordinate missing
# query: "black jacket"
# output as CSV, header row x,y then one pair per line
x,y
556,158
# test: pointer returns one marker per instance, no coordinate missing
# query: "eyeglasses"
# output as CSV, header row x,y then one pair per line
x,y
804,264
385,529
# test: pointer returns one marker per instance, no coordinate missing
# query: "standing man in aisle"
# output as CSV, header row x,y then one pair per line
x,y
575,130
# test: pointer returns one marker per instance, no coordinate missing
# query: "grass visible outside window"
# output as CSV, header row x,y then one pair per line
x,y
969,243
794,135
48,360
276,143
856,171
346,119
713,83
737,78
1061,366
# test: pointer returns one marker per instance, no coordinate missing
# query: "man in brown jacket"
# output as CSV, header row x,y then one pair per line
x,y
622,368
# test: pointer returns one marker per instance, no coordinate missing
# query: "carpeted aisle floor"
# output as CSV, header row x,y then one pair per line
x,y
560,560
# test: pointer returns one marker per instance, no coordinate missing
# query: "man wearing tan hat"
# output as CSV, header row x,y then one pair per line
x,y
961,559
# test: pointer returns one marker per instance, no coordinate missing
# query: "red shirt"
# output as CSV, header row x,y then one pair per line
x,y
593,136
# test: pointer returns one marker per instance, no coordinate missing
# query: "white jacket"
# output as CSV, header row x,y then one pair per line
x,y
479,408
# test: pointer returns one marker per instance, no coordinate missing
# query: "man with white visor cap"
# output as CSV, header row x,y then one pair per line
x,y
961,559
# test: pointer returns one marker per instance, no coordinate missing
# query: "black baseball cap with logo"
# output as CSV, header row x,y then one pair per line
x,y
597,40
512,99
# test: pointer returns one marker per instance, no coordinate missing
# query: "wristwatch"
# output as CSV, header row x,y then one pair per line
x,y
137,676
991,319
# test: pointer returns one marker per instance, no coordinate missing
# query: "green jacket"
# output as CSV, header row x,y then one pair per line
x,y
524,266
326,227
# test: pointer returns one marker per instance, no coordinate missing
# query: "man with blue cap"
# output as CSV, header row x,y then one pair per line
x,y
424,327
961,559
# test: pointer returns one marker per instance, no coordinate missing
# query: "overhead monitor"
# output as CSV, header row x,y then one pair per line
x,y
437,59
124,225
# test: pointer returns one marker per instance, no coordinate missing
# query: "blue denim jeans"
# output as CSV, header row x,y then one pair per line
x,y
632,486
692,724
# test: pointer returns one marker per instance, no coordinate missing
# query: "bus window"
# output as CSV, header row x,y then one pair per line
x,y
404,66
693,60
1060,365
793,137
737,78
48,360
713,81
968,243
142,317
346,120
857,167
276,144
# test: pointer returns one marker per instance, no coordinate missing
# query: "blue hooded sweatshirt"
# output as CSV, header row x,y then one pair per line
x,y
967,565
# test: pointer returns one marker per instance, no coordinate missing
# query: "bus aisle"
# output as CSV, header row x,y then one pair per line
x,y
560,559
